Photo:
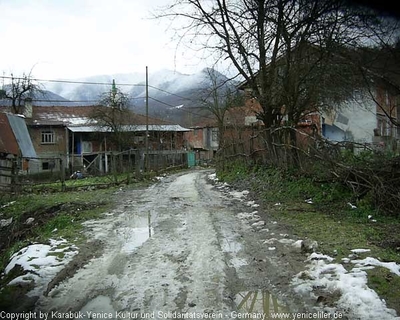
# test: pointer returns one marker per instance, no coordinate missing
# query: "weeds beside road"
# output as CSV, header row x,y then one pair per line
x,y
327,213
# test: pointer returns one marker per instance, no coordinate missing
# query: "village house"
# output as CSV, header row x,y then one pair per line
x,y
368,116
73,136
203,140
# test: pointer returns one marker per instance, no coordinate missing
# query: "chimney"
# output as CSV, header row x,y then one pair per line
x,y
28,108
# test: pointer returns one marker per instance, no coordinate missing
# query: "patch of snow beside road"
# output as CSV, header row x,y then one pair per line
x,y
357,300
41,263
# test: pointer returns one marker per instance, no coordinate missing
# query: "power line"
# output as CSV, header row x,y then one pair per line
x,y
108,84
95,83
78,101
74,81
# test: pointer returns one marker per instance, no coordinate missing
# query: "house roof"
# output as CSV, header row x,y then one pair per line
x,y
83,116
382,63
14,136
22,136
80,119
133,128
8,143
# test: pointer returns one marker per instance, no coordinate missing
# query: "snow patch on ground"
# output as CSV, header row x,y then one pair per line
x,y
319,256
360,250
252,204
239,195
286,241
297,244
392,266
41,262
357,299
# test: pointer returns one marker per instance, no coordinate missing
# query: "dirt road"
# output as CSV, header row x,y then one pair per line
x,y
182,247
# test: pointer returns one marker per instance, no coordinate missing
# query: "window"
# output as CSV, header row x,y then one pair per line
x,y
48,137
385,127
214,135
87,146
48,165
45,166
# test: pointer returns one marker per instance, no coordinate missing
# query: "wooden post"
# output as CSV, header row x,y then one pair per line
x,y
128,177
113,169
137,164
14,173
147,122
62,175
73,153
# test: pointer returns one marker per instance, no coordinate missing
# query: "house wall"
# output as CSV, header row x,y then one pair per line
x,y
195,138
47,151
54,149
210,135
164,140
204,140
357,119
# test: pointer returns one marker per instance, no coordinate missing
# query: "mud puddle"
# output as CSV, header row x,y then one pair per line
x,y
137,232
259,302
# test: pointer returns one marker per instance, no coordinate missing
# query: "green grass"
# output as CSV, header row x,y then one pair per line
x,y
62,211
57,215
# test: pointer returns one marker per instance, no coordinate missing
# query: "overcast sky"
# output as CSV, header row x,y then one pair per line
x,y
68,39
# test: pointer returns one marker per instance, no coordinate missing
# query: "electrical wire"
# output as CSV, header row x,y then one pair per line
x,y
74,81
108,84
97,83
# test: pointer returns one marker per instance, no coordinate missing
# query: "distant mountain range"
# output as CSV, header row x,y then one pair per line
x,y
44,98
172,95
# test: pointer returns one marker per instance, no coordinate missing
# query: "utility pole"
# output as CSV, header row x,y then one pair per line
x,y
146,159
113,94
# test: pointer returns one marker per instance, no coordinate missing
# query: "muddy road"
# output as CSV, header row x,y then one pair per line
x,y
182,246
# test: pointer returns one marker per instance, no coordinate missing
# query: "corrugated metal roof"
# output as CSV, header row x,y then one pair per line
x,y
8,143
22,136
132,128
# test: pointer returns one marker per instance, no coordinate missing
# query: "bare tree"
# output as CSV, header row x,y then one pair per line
x,y
270,42
19,89
113,115
218,99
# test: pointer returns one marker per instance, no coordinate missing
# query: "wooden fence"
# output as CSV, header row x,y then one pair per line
x,y
5,173
22,174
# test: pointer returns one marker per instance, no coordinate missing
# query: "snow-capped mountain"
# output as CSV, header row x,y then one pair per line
x,y
171,93
91,88
42,98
